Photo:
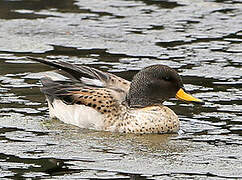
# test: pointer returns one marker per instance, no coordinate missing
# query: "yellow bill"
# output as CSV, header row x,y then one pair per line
x,y
182,95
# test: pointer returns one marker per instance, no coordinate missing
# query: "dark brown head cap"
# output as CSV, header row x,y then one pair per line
x,y
153,85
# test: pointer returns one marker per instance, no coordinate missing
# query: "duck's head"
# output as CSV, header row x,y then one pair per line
x,y
156,84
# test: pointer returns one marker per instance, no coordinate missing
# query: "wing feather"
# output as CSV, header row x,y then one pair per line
x,y
88,76
103,100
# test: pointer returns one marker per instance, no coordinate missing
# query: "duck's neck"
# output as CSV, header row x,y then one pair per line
x,y
139,100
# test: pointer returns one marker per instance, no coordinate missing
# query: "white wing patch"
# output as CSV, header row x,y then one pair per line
x,y
92,82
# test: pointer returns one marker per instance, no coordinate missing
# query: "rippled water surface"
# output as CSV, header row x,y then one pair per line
x,y
201,39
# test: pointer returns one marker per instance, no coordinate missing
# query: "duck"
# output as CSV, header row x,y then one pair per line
x,y
93,99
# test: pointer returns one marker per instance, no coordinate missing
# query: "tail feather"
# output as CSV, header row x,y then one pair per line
x,y
57,90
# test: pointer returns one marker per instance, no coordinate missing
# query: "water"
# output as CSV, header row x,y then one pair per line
x,y
200,39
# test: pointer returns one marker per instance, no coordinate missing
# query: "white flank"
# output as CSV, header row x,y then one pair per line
x,y
78,115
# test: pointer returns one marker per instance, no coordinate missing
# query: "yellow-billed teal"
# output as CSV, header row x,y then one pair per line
x,y
99,100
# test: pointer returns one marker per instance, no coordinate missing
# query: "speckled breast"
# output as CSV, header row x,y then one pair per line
x,y
153,119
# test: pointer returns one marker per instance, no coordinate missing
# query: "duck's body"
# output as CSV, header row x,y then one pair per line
x,y
154,119
97,100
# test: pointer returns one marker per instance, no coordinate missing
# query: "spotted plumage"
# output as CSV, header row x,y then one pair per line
x,y
93,99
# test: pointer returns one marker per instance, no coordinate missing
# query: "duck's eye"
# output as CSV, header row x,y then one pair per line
x,y
166,78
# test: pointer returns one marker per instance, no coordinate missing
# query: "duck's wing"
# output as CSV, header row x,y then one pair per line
x,y
88,76
103,100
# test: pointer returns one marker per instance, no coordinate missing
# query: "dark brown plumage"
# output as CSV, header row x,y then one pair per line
x,y
153,85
